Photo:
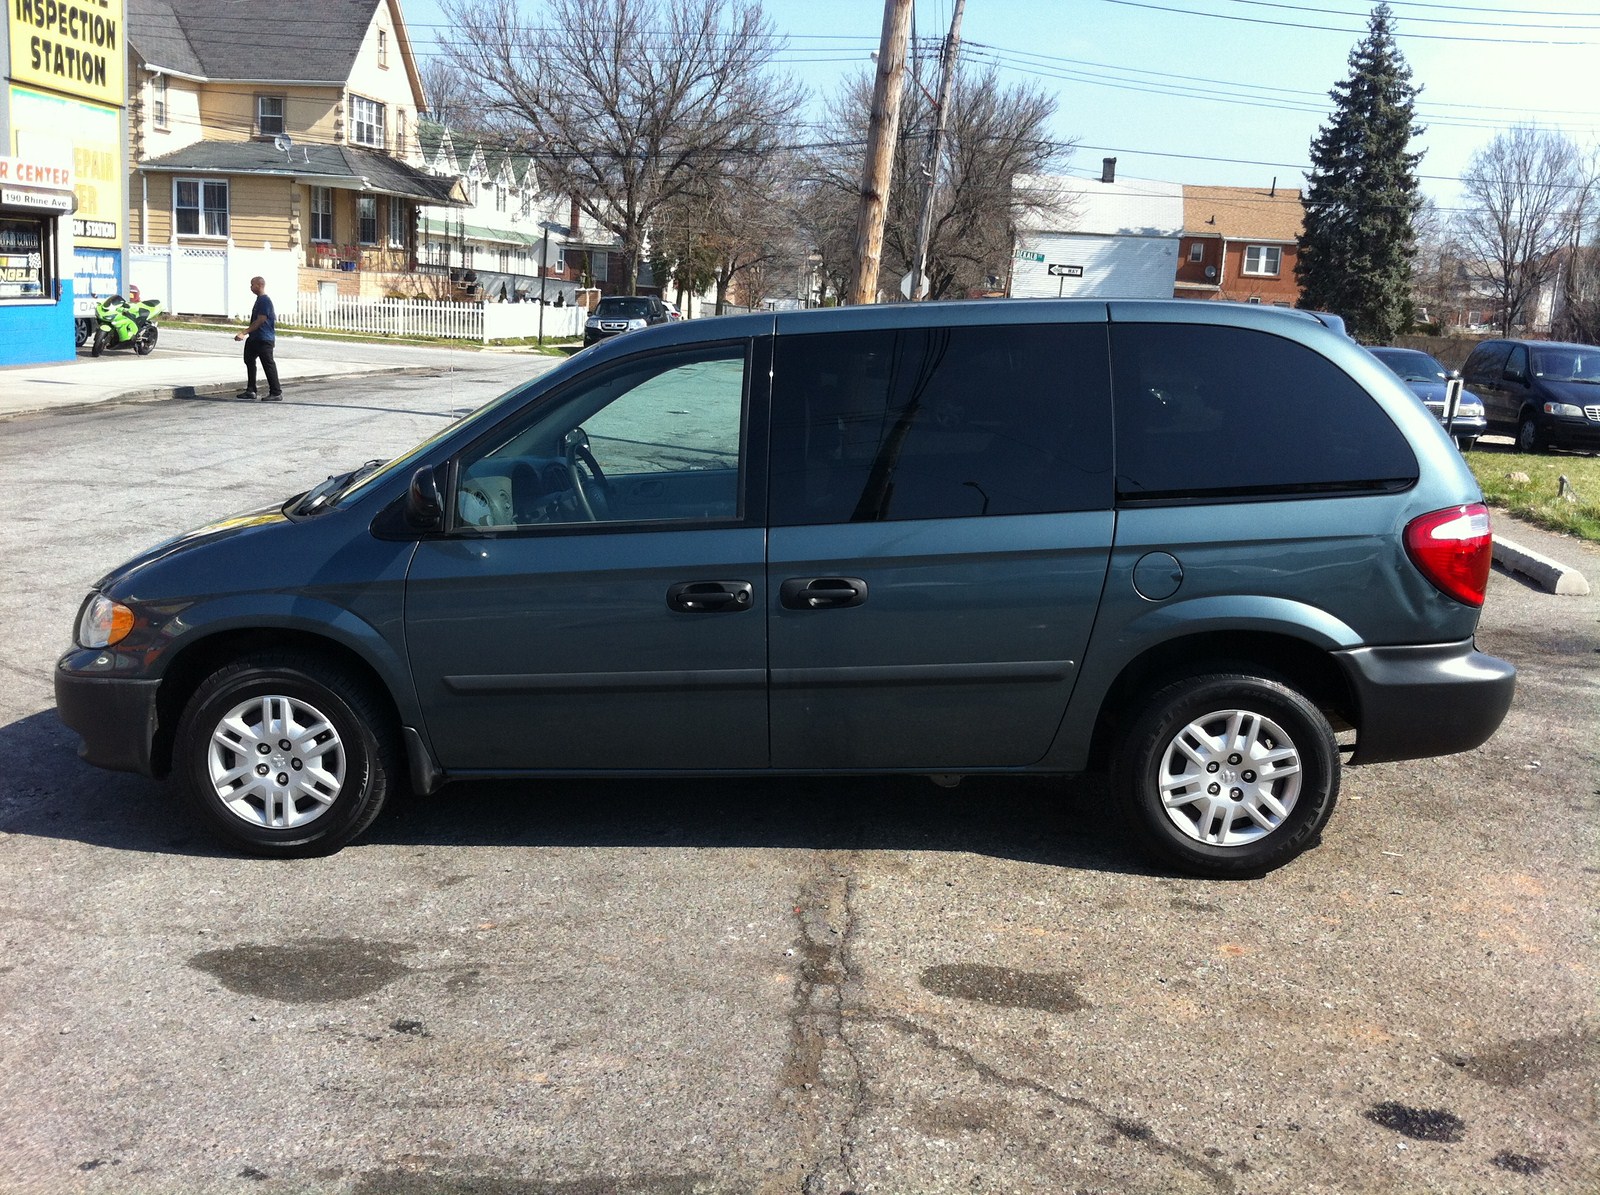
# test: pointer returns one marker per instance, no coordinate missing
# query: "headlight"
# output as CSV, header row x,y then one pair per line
x,y
591,323
103,622
1563,408
635,324
1470,406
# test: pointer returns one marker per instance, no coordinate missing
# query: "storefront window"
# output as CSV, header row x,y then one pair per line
x,y
25,259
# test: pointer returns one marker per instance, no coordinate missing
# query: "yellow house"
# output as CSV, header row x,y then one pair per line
x,y
276,139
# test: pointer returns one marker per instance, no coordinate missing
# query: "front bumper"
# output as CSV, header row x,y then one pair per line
x,y
1431,699
114,716
1563,431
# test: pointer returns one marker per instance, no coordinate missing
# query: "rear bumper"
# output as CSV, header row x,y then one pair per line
x,y
115,718
1431,699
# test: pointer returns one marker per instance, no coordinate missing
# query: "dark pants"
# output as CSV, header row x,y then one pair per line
x,y
260,350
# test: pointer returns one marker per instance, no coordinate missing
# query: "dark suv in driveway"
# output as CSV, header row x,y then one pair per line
x,y
1183,542
1546,394
616,314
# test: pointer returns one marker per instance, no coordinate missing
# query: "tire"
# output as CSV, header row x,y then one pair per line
x,y
1528,437
81,330
320,791
98,344
1183,735
146,340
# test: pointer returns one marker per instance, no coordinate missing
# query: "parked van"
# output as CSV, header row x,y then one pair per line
x,y
1546,394
1186,542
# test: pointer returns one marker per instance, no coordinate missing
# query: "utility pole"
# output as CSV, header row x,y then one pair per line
x,y
919,266
881,134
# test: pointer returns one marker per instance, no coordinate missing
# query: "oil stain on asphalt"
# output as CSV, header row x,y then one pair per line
x,y
1046,991
317,971
1420,1124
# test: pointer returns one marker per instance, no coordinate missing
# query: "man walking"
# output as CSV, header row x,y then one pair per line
x,y
259,339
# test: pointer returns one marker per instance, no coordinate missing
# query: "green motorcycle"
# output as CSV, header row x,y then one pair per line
x,y
121,323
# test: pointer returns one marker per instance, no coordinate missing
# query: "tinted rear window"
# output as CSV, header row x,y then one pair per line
x,y
1227,412
940,423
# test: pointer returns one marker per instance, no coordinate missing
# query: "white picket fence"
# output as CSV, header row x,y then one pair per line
x,y
483,322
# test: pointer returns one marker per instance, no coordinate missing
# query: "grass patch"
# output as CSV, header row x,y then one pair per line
x,y
1528,485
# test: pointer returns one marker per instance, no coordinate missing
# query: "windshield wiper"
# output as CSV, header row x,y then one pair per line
x,y
325,491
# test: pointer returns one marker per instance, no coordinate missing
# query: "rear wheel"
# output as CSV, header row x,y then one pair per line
x,y
1228,775
146,340
283,755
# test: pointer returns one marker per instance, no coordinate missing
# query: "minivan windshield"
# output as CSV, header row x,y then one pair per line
x,y
1568,364
623,307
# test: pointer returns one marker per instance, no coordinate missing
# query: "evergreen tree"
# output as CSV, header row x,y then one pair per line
x,y
1361,193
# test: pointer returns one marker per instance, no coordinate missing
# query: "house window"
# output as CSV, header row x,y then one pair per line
x,y
466,256
1197,252
499,199
269,115
505,261
397,223
201,206
402,131
158,101
561,259
322,214
600,266
366,122
367,219
383,49
1262,259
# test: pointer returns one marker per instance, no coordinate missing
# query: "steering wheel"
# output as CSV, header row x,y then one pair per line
x,y
593,496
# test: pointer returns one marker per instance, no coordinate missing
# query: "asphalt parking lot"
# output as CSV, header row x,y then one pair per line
x,y
813,986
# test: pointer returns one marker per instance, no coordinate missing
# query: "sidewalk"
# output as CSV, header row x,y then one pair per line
x,y
123,376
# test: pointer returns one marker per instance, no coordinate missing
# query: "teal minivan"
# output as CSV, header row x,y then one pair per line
x,y
1189,543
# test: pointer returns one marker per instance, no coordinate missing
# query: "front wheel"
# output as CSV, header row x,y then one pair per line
x,y
1528,437
283,755
98,344
1228,776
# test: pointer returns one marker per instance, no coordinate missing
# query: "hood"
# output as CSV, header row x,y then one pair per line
x,y
1579,394
253,522
1434,392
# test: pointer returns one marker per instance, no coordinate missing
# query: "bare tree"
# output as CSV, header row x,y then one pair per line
x,y
1525,194
625,103
452,97
992,134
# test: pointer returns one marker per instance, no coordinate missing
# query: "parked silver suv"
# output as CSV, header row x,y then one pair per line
x,y
1187,542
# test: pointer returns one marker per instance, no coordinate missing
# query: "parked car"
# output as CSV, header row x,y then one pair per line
x,y
1017,538
1546,394
616,314
1429,381
673,312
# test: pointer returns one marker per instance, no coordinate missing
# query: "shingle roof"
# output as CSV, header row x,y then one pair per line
x,y
371,170
1273,214
291,41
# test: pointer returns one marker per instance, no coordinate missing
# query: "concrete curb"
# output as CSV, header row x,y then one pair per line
x,y
1548,574
214,389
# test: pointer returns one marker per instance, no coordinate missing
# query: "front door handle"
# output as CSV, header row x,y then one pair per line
x,y
822,593
710,597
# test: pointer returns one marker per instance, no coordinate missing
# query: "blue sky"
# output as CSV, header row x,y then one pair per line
x,y
1227,92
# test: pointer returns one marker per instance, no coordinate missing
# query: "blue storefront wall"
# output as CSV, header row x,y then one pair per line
x,y
37,333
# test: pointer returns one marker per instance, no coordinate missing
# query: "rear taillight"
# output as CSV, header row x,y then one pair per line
x,y
1453,548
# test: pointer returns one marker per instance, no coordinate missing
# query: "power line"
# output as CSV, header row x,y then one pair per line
x,y
1218,16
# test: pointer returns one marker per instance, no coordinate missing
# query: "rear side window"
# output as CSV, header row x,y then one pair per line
x,y
937,423
1486,361
1227,412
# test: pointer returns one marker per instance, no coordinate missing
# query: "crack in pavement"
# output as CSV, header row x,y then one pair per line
x,y
822,1062
1218,1178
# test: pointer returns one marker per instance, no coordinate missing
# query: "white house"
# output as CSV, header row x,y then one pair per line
x,y
1097,238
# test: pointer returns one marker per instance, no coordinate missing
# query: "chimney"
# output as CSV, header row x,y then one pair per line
x,y
1108,170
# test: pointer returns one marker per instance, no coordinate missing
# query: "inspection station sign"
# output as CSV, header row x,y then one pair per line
x,y
73,47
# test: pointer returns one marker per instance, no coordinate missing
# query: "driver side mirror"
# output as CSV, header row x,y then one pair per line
x,y
425,500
